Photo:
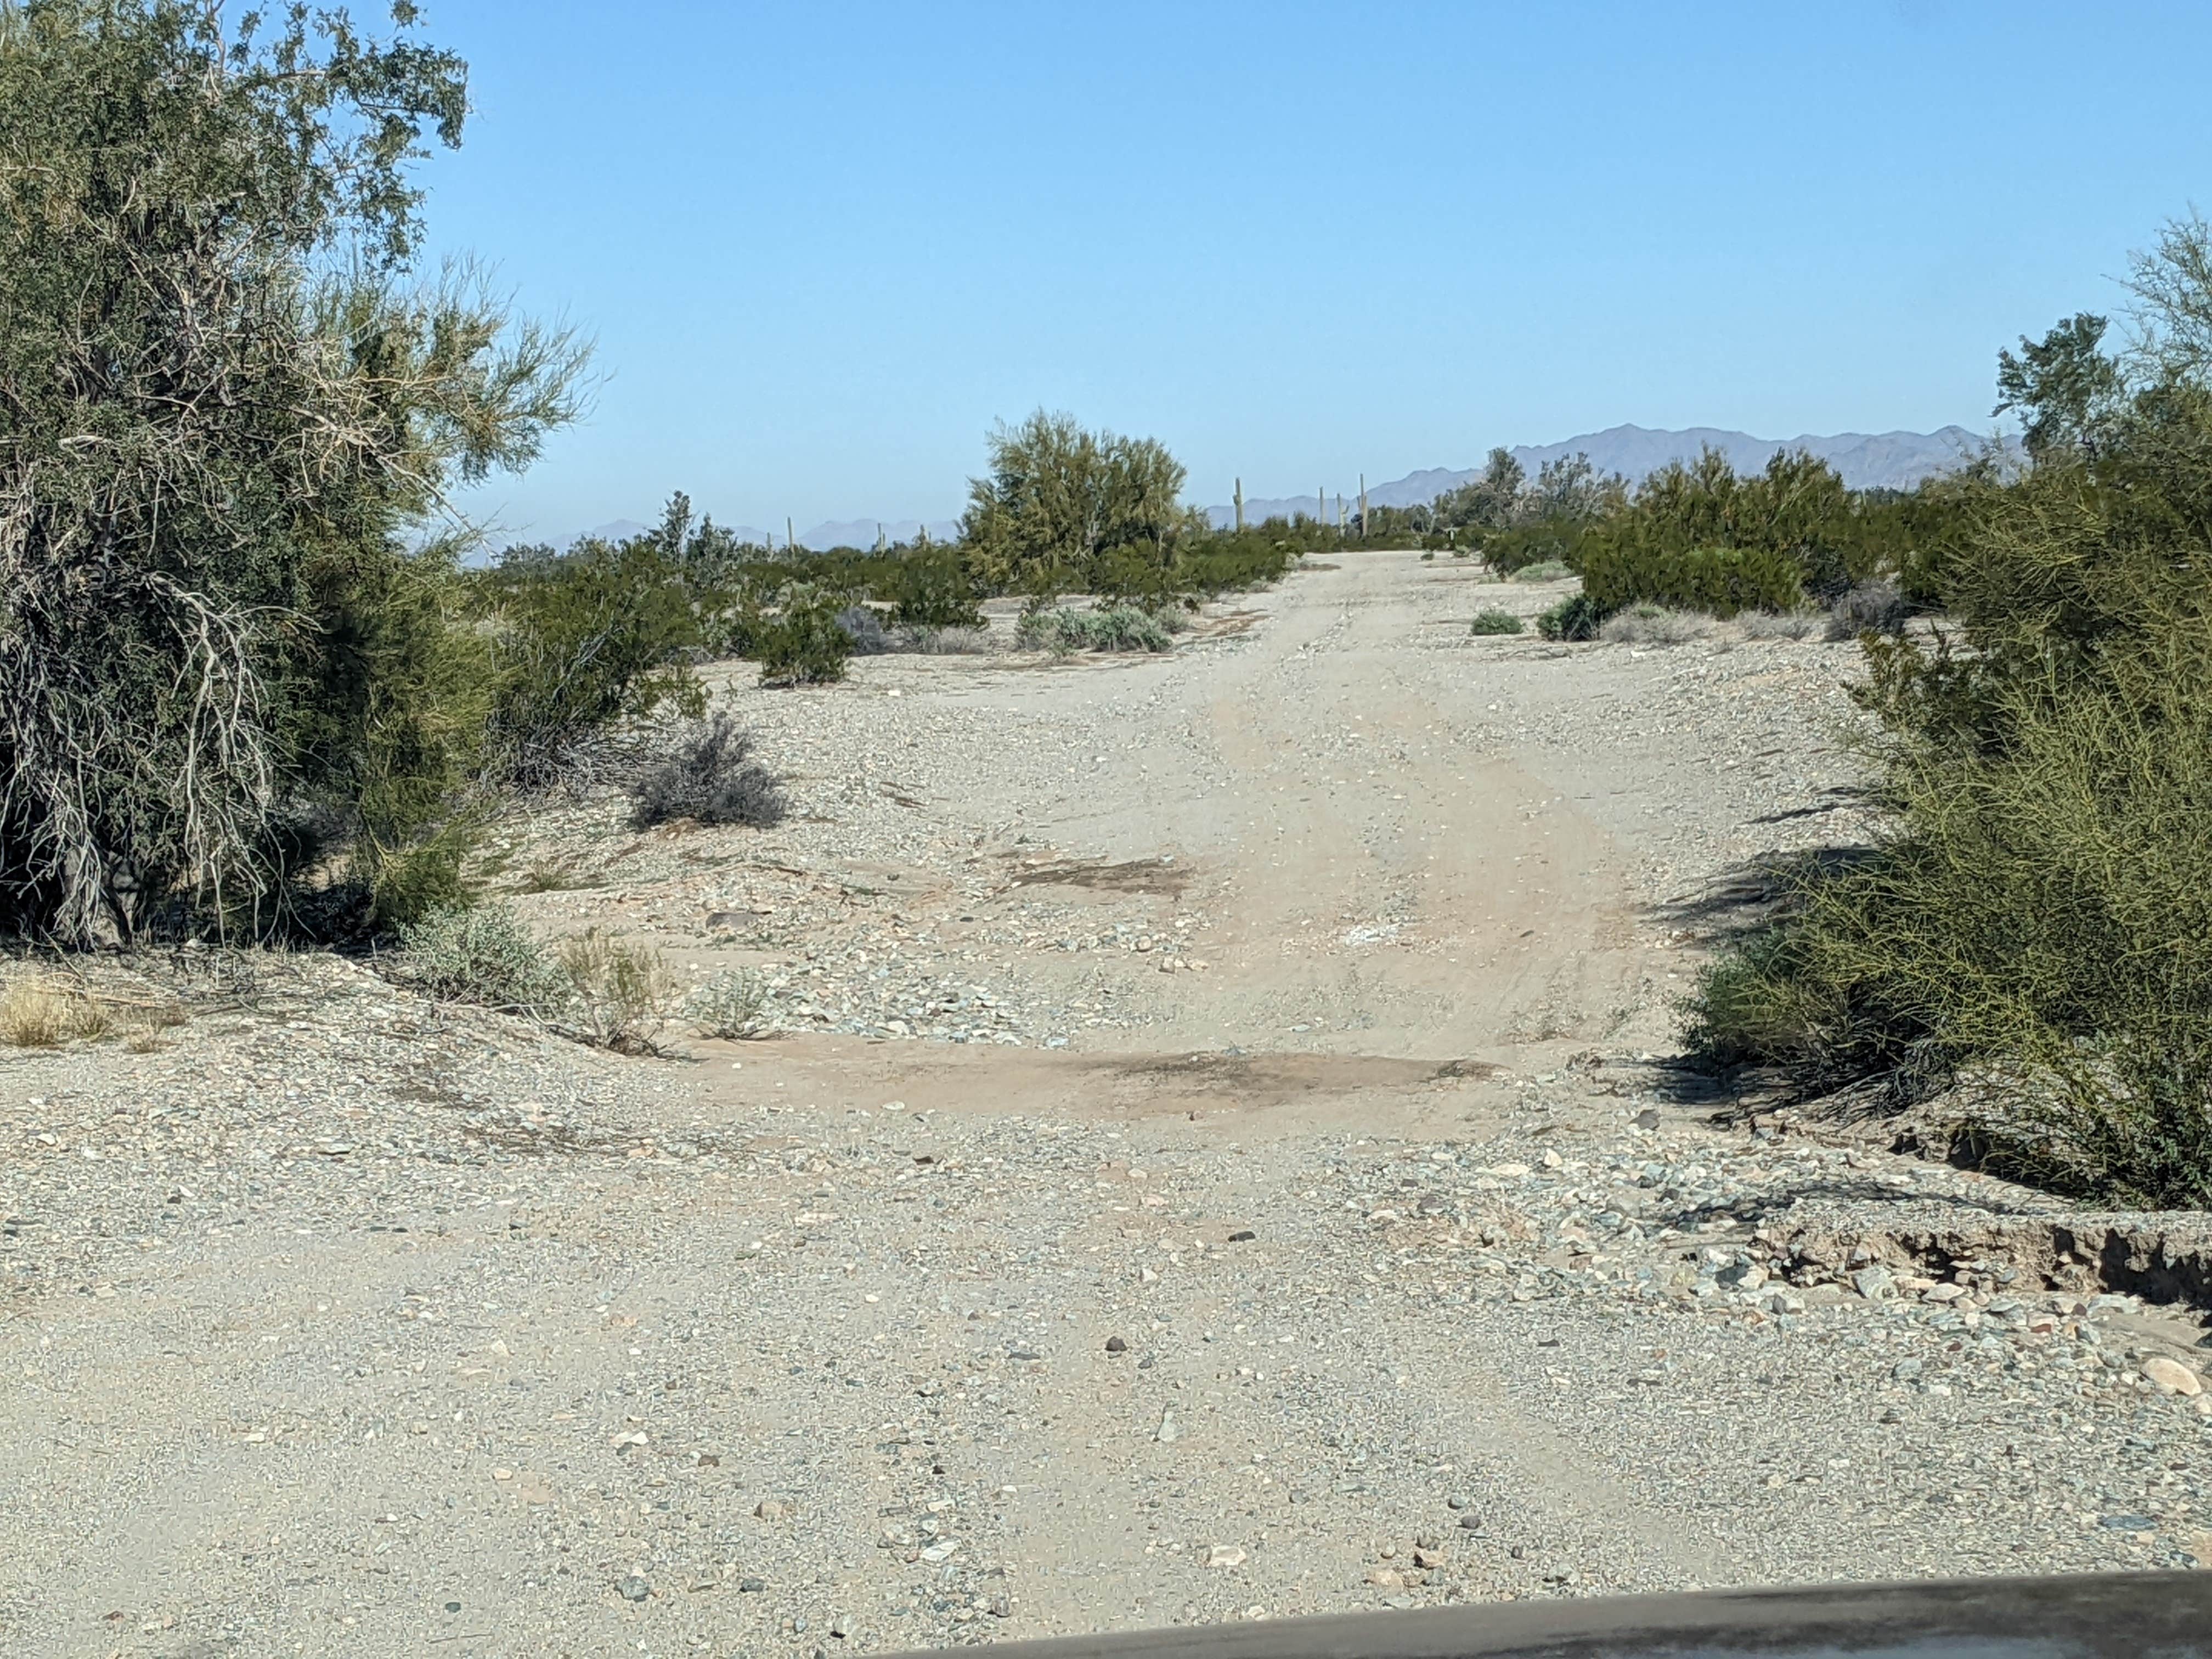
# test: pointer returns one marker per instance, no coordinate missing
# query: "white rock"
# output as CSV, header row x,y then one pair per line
x,y
2172,1377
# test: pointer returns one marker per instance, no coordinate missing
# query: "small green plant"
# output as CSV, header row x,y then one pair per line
x,y
1494,621
733,1006
484,955
1544,570
1575,618
621,990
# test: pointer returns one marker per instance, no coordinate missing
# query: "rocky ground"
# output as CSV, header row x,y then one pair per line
x,y
1372,1256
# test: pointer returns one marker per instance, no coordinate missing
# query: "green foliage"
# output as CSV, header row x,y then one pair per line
x,y
230,416
1494,621
1058,496
1718,581
800,643
1549,570
483,955
932,589
1575,618
582,640
1117,628
2036,927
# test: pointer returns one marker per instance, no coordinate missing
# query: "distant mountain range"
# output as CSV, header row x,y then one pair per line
x,y
1892,461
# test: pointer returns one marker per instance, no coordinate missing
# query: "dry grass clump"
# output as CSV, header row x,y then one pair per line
x,y
948,641
623,992
1795,625
38,1012
1655,625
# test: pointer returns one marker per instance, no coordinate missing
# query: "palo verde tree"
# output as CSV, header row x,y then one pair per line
x,y
1059,495
230,413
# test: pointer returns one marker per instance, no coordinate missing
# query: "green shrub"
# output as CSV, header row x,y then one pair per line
x,y
1118,628
2033,932
1546,570
1718,580
1577,617
932,590
584,639
483,955
800,643
1494,621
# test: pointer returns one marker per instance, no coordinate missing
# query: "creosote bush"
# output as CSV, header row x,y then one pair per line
x,y
1575,618
802,643
711,779
1495,621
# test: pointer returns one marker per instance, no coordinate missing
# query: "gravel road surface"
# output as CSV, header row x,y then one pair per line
x,y
1219,1160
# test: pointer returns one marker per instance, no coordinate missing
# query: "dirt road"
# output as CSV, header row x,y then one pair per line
x,y
1360,1258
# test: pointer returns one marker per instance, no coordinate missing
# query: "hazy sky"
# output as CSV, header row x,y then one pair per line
x,y
823,246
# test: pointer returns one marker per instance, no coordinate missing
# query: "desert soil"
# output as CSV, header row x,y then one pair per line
x,y
1218,1159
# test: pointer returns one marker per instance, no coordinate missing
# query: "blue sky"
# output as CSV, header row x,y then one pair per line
x,y
823,246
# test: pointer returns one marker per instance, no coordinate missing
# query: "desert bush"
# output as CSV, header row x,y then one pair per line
x,y
1056,495
932,590
233,414
1543,570
1494,621
1798,624
946,642
1577,618
600,634
733,1006
1721,581
1652,625
621,991
1875,607
865,628
710,779
801,642
481,955
1119,628
2034,931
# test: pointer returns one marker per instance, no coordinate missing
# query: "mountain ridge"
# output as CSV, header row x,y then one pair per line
x,y
1866,460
